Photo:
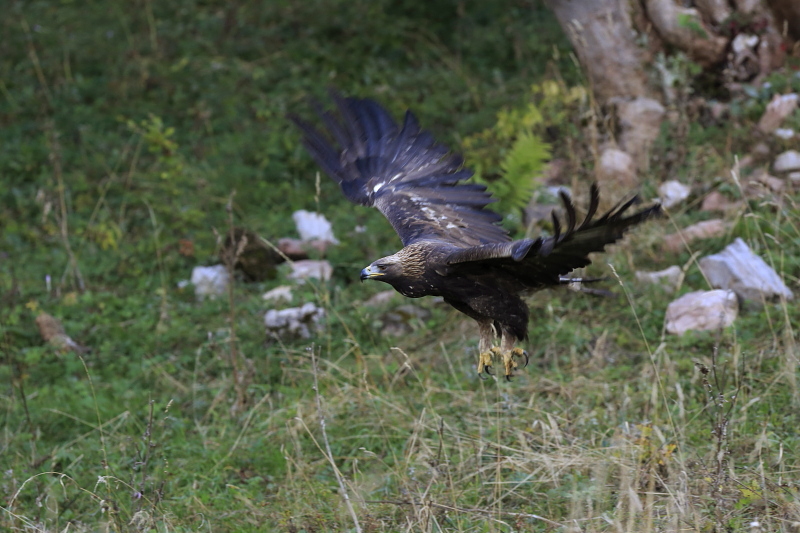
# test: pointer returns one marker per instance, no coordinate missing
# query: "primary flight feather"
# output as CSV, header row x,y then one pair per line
x,y
453,246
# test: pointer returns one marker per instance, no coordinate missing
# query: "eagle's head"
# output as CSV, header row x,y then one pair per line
x,y
387,269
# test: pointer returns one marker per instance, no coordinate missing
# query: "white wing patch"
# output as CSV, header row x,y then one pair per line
x,y
377,187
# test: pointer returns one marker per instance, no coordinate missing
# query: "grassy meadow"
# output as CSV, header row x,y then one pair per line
x,y
134,134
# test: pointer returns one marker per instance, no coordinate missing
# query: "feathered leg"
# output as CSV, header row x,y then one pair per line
x,y
486,331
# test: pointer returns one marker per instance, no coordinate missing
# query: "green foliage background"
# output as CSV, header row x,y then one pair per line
x,y
125,128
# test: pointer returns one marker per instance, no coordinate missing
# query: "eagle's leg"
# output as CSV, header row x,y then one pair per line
x,y
510,353
485,350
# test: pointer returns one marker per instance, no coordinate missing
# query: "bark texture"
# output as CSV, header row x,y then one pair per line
x,y
684,28
604,39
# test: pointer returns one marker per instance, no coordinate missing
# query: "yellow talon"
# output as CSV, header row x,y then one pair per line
x,y
485,361
509,363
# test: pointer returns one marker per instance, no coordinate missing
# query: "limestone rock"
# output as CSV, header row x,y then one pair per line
x,y
310,268
640,123
278,294
210,281
295,322
313,226
668,278
738,269
716,201
787,161
296,249
701,311
616,167
764,180
781,106
673,192
707,229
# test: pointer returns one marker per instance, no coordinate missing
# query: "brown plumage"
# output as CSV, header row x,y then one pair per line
x,y
453,245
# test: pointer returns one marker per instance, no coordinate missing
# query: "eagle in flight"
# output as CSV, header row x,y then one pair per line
x,y
453,245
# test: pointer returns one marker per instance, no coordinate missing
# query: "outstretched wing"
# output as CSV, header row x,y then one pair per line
x,y
414,181
543,261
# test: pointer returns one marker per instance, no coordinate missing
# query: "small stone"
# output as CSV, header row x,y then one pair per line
x,y
780,107
616,167
784,133
278,294
760,150
675,242
744,42
210,281
771,182
296,249
667,278
702,311
310,268
294,322
716,201
738,269
313,226
673,192
640,122
787,161
763,185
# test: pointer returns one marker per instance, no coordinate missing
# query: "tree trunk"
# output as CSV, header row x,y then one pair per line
x,y
604,40
745,37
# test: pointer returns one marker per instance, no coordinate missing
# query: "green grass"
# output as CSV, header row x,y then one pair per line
x,y
125,130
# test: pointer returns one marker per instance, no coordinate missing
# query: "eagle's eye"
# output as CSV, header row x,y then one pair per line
x,y
381,267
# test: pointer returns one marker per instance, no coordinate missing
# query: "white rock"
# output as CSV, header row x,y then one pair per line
x,y
738,269
668,278
278,294
702,310
311,268
295,322
673,192
616,166
784,133
780,107
210,281
313,226
640,125
675,242
743,42
788,160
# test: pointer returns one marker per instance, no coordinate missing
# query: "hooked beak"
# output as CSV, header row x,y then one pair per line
x,y
369,273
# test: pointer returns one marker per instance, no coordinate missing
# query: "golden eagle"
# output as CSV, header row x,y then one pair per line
x,y
453,246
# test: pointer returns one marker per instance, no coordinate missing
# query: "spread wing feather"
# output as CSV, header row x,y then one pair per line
x,y
543,261
401,170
